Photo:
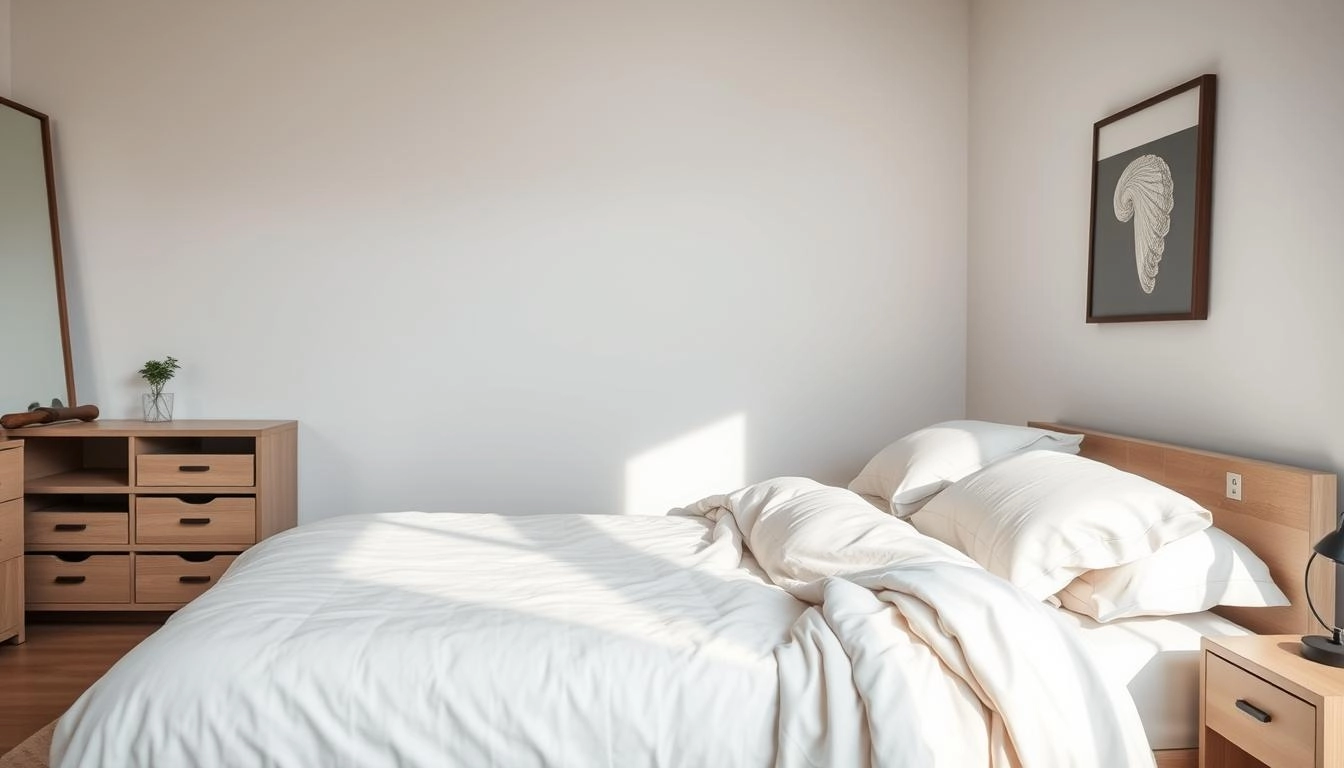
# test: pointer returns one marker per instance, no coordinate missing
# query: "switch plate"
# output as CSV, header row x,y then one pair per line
x,y
1234,486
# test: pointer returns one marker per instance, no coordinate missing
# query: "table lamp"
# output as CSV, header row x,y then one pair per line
x,y
1324,650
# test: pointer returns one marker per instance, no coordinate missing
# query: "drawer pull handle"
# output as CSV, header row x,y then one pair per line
x,y
193,521
194,579
70,527
194,468
1253,711
70,579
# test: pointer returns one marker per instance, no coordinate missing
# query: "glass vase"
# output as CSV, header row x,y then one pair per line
x,y
159,407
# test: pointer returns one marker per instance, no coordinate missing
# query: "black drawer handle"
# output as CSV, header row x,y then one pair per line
x,y
193,521
194,579
1253,711
70,579
70,527
194,468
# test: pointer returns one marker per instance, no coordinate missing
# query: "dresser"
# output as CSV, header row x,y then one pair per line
x,y
11,541
138,516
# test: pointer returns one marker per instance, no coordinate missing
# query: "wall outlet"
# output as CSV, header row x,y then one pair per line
x,y
1234,486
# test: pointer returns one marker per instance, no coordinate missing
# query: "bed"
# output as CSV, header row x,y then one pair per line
x,y
761,627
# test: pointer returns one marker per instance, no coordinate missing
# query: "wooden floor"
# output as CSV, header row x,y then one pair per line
x,y
45,675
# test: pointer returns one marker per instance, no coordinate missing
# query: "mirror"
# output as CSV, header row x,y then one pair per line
x,y
34,332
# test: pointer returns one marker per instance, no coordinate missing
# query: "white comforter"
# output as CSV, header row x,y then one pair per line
x,y
416,639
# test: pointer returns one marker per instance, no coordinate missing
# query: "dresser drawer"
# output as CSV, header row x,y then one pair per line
x,y
11,529
173,579
195,469
11,474
1288,738
169,520
95,579
77,527
11,598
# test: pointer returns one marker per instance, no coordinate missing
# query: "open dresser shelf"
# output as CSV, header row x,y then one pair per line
x,y
138,516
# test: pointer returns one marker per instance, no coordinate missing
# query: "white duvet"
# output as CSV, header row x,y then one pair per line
x,y
415,639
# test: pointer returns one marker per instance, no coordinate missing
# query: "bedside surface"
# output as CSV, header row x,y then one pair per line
x,y
1280,656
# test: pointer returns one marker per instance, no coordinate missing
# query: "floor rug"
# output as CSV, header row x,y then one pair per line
x,y
32,753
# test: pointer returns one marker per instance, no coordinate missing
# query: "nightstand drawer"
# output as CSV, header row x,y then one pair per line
x,y
170,520
11,474
174,579
11,529
90,579
77,527
195,469
1236,702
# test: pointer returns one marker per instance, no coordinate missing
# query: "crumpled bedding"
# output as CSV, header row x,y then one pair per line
x,y
787,624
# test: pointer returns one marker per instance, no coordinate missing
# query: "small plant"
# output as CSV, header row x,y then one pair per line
x,y
158,373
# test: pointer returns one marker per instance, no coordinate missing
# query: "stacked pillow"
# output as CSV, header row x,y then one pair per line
x,y
1042,518
1102,542
1189,575
915,468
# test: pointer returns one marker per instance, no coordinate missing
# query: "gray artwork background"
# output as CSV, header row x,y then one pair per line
x,y
1115,278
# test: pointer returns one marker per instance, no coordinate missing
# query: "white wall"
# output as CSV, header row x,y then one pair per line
x,y
498,256
1264,375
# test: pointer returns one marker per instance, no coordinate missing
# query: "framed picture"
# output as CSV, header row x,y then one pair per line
x,y
1152,196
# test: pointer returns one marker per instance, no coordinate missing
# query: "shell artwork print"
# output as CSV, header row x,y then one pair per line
x,y
1145,193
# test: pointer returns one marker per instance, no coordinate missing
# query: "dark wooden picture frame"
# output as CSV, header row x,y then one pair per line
x,y
1152,203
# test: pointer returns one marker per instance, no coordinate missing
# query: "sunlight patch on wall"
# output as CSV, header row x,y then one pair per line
x,y
683,470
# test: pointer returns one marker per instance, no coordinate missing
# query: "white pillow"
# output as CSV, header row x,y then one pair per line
x,y
802,531
1189,575
911,470
1041,518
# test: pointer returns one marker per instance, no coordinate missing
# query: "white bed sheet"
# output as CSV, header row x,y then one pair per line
x,y
1157,659
399,639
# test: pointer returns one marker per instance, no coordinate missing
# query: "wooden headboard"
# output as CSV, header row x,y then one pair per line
x,y
1284,511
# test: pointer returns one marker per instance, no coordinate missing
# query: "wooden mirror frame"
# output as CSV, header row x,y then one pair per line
x,y
50,167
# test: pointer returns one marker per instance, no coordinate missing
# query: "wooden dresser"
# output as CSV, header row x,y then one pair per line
x,y
11,541
138,516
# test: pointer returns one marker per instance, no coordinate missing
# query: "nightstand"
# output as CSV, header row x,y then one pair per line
x,y
1260,698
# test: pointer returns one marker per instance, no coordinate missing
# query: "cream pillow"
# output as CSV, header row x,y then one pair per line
x,y
802,531
1189,575
1041,518
911,470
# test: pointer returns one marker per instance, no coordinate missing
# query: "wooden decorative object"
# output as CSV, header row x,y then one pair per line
x,y
48,416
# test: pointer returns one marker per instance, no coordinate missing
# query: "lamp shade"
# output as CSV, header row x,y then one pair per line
x,y
1332,546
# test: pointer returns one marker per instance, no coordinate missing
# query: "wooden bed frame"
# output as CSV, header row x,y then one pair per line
x,y
1283,511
